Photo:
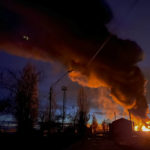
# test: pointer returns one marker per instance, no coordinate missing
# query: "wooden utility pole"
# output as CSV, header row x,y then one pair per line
x,y
130,116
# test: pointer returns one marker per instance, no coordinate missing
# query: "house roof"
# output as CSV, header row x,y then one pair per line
x,y
123,120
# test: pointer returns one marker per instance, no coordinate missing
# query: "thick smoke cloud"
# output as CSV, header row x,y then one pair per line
x,y
71,32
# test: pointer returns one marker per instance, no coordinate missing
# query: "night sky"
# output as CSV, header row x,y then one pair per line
x,y
130,21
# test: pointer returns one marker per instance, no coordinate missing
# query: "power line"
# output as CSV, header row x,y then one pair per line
x,y
101,47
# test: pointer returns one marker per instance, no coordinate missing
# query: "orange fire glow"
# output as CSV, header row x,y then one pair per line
x,y
142,127
89,81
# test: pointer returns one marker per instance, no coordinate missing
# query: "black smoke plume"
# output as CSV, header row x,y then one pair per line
x,y
71,31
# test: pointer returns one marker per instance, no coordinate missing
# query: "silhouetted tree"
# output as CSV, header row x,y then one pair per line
x,y
5,106
23,90
94,124
27,99
73,117
9,83
105,126
52,106
83,110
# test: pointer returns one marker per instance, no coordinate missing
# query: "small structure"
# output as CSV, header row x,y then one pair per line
x,y
121,128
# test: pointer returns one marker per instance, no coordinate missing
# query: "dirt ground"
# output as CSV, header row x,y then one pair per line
x,y
94,143
100,143
61,142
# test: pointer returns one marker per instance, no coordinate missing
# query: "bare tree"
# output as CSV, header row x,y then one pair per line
x,y
27,99
94,124
52,105
83,110
5,106
23,88
105,126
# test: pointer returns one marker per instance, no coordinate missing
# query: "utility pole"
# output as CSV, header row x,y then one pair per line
x,y
50,104
64,89
130,116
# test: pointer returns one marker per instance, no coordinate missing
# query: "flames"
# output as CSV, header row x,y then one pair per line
x,y
142,127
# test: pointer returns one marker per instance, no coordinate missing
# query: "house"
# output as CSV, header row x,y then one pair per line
x,y
121,128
